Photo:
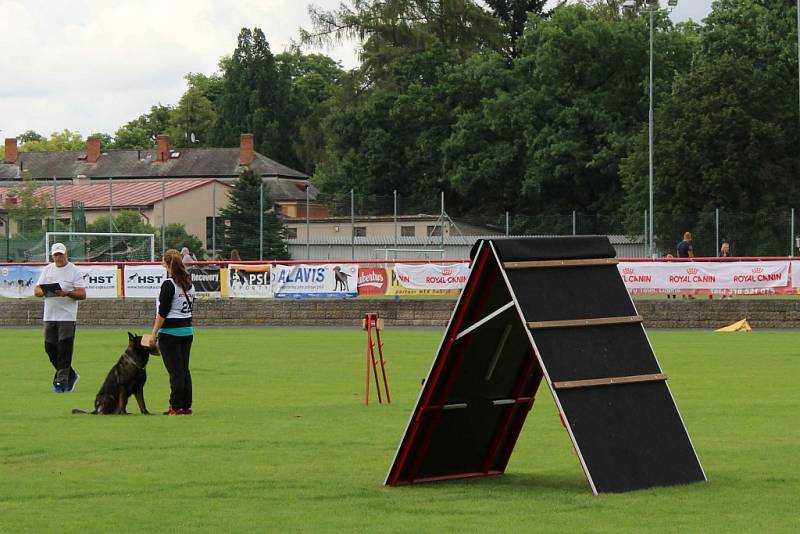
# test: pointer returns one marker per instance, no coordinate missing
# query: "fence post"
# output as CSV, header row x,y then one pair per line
x,y
717,225
791,242
163,217
644,236
261,221
395,218
507,228
213,220
352,224
308,224
573,222
55,212
110,218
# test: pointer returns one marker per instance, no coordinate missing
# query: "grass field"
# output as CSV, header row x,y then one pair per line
x,y
281,441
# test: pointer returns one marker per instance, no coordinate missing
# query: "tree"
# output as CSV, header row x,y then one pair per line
x,y
242,221
29,210
132,222
513,15
142,131
57,142
726,136
253,99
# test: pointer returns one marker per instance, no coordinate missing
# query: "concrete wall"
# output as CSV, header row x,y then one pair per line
x,y
138,314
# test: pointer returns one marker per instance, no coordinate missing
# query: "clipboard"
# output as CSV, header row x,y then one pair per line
x,y
50,289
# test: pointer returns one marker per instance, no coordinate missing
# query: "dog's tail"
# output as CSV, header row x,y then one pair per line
x,y
78,411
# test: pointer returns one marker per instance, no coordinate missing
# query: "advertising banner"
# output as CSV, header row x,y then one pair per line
x,y
143,280
795,272
396,288
18,281
250,281
432,276
373,280
206,279
101,281
328,280
743,277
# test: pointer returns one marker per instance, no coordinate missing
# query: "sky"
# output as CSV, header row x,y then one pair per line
x,y
93,65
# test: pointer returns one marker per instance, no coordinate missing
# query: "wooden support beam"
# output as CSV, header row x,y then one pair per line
x,y
590,262
572,384
600,321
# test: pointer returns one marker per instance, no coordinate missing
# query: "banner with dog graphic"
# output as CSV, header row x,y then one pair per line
x,y
328,280
18,281
143,280
101,281
250,281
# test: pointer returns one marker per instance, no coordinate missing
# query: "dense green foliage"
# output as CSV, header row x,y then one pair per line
x,y
507,107
280,441
243,218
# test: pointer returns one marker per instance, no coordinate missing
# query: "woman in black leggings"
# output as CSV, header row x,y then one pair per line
x,y
173,329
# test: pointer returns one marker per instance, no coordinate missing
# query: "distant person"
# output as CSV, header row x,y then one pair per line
x,y
60,315
187,256
685,249
725,250
235,255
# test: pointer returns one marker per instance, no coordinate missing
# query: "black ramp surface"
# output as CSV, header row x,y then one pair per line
x,y
630,436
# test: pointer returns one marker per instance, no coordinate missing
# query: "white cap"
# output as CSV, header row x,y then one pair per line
x,y
58,248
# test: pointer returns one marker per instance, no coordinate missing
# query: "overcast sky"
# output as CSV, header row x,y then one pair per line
x,y
93,65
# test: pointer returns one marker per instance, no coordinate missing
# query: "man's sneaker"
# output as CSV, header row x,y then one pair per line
x,y
187,411
58,388
72,383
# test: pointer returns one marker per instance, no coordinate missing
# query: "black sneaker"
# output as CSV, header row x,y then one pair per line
x,y
58,387
72,383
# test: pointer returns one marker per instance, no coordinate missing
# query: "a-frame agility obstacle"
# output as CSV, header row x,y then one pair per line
x,y
553,310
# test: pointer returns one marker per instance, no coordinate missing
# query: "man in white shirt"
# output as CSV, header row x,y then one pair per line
x,y
60,314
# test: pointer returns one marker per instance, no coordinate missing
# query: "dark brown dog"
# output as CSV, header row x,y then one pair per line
x,y
126,378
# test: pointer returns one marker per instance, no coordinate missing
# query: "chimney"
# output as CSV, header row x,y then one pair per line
x,y
11,150
162,147
246,149
92,149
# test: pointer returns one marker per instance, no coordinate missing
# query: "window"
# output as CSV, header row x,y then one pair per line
x,y
407,231
434,230
291,232
359,231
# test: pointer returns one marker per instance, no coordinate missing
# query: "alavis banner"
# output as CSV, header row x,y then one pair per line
x,y
328,280
250,281
143,280
18,281
101,281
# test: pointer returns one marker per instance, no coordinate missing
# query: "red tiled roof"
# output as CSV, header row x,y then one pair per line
x,y
124,194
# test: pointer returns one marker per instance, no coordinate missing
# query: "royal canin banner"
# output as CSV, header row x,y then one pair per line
x,y
101,281
432,276
742,277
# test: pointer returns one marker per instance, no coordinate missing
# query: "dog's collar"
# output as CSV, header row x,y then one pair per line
x,y
133,362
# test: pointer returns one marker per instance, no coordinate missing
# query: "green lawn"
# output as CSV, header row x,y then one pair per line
x,y
281,441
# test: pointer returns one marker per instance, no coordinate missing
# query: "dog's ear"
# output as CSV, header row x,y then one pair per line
x,y
131,337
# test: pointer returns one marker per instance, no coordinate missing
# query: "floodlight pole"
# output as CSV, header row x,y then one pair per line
x,y
650,140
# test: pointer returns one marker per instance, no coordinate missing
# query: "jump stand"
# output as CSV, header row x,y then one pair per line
x,y
370,323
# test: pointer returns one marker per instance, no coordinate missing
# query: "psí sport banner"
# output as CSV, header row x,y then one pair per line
x,y
742,277
252,281
432,276
18,281
143,280
101,281
330,280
